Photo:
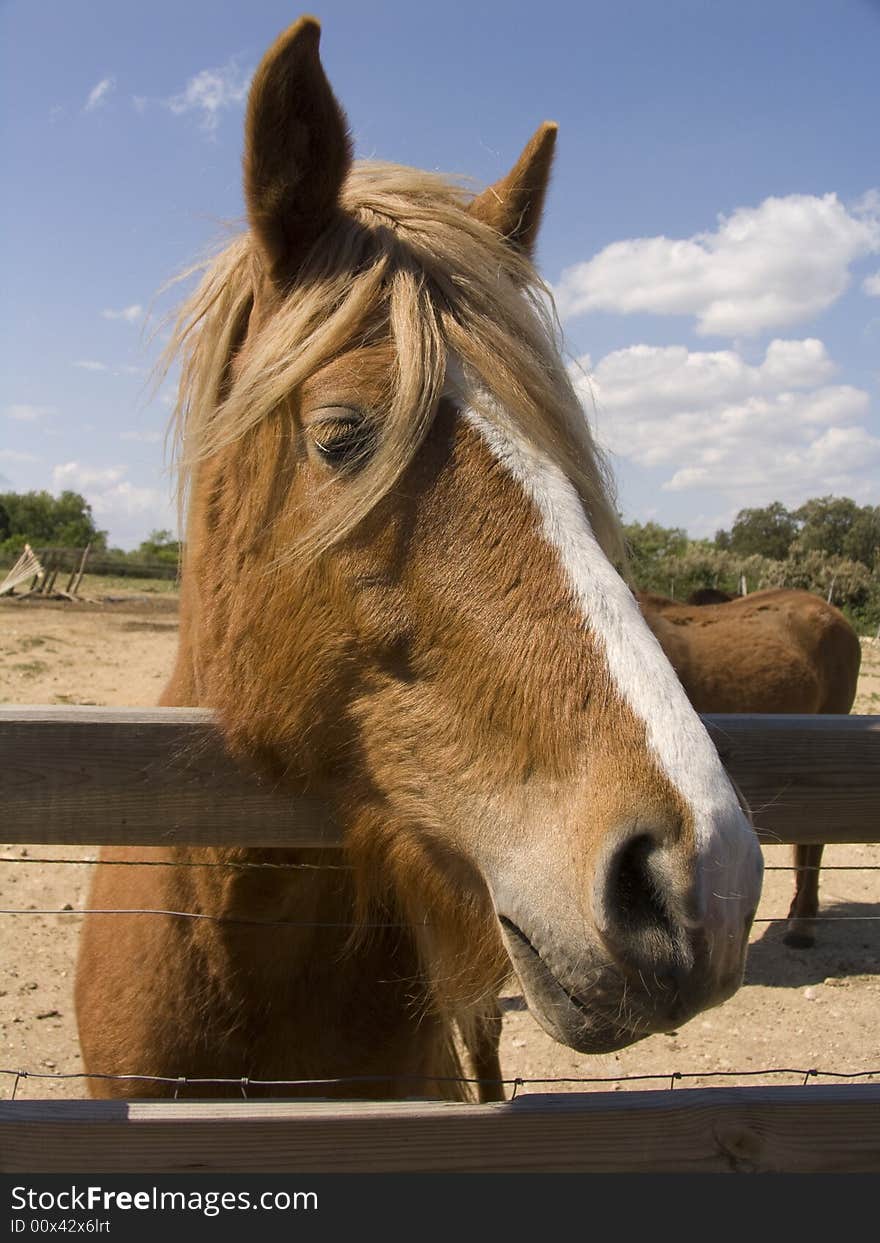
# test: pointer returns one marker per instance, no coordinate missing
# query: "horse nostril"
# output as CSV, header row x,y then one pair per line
x,y
635,889
638,901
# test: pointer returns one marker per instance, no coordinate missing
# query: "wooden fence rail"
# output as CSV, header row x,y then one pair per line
x,y
809,1129
160,776
155,777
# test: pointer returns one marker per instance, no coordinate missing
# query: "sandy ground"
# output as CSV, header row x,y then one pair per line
x,y
798,1009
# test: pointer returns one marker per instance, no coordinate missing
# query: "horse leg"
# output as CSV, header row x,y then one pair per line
x,y
801,933
482,1039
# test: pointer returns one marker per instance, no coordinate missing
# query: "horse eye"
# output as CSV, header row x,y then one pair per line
x,y
343,441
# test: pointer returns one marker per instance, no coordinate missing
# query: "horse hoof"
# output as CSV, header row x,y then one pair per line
x,y
799,939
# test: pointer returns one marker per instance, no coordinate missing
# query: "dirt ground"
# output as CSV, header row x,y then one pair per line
x,y
798,1009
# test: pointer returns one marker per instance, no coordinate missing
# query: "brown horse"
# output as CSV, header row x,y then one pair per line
x,y
398,597
709,595
773,651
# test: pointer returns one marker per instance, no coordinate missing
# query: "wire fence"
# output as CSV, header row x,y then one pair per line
x,y
244,1082
248,865
514,1083
313,923
260,865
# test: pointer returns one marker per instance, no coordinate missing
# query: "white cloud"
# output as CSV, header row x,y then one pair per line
x,y
841,460
29,414
750,432
763,268
871,285
868,204
90,364
144,438
131,314
72,475
99,92
126,510
672,379
13,455
128,500
211,92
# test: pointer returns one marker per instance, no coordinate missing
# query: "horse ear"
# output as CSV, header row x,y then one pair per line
x,y
514,204
297,150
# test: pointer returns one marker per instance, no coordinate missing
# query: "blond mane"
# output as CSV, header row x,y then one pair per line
x,y
404,261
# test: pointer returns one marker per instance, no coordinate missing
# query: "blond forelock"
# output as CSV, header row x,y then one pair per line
x,y
403,260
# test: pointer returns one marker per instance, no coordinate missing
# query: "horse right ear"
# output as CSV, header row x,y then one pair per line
x,y
513,206
297,150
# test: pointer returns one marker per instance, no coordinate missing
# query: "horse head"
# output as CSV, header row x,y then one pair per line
x,y
400,587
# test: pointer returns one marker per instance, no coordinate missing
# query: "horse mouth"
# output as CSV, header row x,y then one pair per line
x,y
598,1023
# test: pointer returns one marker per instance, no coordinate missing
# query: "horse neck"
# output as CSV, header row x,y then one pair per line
x,y
356,915
296,886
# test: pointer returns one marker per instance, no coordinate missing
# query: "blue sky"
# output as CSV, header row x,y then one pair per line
x,y
712,231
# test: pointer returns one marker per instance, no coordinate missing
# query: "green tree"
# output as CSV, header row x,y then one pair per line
x,y
159,546
862,542
825,523
838,527
766,532
648,541
42,520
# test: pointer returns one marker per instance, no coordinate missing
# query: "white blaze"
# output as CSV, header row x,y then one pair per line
x,y
638,666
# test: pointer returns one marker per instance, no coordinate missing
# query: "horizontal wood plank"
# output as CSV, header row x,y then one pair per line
x,y
160,776
811,1129
139,776
806,779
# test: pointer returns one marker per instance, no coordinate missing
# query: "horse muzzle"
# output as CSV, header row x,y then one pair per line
x,y
606,1008
657,946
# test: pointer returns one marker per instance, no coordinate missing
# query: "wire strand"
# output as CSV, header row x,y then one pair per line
x,y
175,863
246,866
506,1081
215,919
295,923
